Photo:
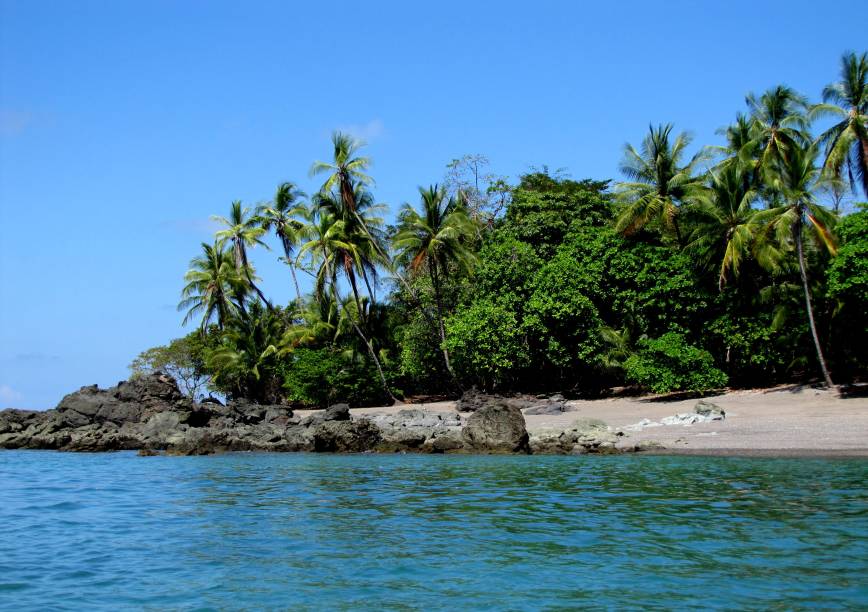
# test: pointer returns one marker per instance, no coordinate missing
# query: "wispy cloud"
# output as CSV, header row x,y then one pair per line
x,y
13,122
369,131
9,395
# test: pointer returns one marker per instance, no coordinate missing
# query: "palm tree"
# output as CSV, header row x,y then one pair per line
x,y
242,231
433,240
660,184
332,252
779,124
795,178
211,282
345,170
846,142
282,216
724,229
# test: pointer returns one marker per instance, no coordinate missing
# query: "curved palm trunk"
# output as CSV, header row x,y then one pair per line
x,y
244,263
435,283
360,333
808,306
287,252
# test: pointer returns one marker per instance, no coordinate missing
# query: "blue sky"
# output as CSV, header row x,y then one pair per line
x,y
125,125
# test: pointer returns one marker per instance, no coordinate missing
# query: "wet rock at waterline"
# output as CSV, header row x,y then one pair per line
x,y
151,415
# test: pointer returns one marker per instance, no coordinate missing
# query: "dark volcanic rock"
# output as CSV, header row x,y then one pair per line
x,y
497,427
346,436
150,414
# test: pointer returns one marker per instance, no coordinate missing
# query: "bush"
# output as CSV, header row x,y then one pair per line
x,y
319,377
668,363
486,344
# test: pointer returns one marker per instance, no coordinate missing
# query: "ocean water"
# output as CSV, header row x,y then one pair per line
x,y
259,531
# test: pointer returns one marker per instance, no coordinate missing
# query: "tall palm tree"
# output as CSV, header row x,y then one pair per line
x,y
242,230
846,142
724,229
211,283
345,171
795,178
660,184
282,215
432,240
332,252
779,122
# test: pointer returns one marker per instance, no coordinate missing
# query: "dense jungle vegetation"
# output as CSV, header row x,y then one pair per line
x,y
734,266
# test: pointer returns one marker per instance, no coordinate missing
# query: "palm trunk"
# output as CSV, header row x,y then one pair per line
x,y
360,333
435,283
247,275
808,306
287,251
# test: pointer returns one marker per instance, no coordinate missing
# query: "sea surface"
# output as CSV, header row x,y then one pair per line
x,y
260,531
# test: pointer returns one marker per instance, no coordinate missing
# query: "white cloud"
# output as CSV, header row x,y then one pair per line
x,y
13,122
369,131
9,395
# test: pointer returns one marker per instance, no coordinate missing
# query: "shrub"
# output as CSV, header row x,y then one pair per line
x,y
669,363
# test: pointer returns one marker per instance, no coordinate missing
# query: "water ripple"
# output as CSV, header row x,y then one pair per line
x,y
116,531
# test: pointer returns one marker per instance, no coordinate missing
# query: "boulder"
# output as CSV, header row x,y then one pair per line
x,y
556,404
346,436
497,427
337,412
709,410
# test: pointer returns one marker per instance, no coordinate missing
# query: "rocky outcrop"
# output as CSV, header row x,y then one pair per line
x,y
556,404
583,437
152,416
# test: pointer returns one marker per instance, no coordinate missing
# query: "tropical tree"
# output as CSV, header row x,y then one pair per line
x,y
345,171
846,142
243,230
724,228
245,364
779,124
211,283
332,252
433,240
282,215
660,185
795,178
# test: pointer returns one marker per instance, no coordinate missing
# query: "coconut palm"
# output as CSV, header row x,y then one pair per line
x,y
282,215
211,283
846,142
660,184
779,124
795,178
345,171
242,231
724,228
333,252
432,240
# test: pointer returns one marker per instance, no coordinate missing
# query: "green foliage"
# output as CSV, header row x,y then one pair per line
x,y
324,376
183,359
848,272
562,323
669,363
486,343
544,208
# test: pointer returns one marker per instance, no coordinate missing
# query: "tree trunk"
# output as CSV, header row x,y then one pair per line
x,y
360,333
291,264
246,266
435,283
808,306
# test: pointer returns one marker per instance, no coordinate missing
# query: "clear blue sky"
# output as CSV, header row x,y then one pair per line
x,y
125,125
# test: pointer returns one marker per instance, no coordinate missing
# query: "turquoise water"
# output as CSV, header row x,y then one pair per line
x,y
254,531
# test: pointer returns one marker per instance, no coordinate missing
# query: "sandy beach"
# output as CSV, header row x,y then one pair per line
x,y
777,422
